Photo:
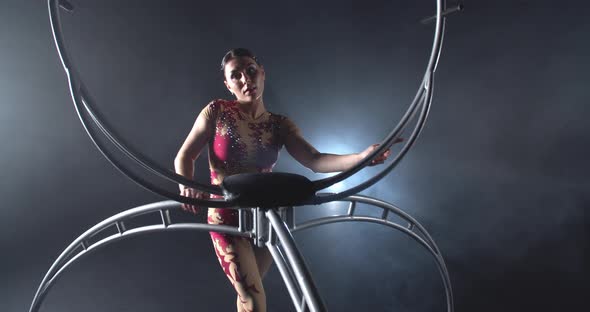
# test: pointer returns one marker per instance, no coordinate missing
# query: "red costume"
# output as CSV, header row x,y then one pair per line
x,y
239,144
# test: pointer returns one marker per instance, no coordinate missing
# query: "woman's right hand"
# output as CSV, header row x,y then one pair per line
x,y
192,193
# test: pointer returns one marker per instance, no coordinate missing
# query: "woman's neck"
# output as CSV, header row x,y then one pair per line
x,y
253,109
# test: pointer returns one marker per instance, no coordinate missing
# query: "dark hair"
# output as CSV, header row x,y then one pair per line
x,y
233,53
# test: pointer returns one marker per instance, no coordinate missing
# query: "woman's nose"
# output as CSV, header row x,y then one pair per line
x,y
246,78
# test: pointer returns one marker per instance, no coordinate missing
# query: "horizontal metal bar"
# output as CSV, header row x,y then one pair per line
x,y
457,8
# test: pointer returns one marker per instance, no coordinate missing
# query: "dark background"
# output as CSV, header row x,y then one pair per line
x,y
498,177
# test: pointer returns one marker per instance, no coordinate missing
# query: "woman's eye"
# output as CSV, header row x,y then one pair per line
x,y
235,76
252,70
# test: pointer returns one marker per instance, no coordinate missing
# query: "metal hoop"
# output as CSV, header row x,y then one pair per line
x,y
278,238
83,102
275,234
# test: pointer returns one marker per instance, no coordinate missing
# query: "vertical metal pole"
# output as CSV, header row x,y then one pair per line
x,y
242,220
287,215
261,227
295,259
255,229
351,208
165,214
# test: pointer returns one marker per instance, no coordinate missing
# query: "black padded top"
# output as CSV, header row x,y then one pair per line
x,y
268,190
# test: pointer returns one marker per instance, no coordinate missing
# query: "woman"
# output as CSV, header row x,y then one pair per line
x,y
242,136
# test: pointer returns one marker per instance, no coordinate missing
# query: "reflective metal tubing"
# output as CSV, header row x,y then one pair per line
x,y
427,238
286,274
125,171
60,263
78,95
384,172
295,259
75,84
426,241
426,84
287,268
430,248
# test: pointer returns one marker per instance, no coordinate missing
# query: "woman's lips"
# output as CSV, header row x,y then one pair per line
x,y
250,90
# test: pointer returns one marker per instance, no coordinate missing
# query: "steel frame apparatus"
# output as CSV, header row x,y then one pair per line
x,y
271,223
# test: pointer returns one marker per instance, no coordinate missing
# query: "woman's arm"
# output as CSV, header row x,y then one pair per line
x,y
184,162
192,146
311,158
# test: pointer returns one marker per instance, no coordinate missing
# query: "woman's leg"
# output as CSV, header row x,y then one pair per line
x,y
236,257
263,260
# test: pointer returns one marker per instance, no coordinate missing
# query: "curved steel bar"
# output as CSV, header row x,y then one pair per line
x,y
434,55
135,156
329,181
386,170
144,230
441,5
427,101
414,224
396,210
136,178
60,263
413,137
295,259
286,274
73,84
441,266
312,297
75,81
442,36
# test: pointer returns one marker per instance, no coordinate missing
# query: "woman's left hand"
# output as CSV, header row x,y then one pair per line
x,y
381,158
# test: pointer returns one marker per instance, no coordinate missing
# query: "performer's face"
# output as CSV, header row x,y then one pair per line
x,y
244,78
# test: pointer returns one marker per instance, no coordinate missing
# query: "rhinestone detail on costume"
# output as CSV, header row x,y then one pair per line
x,y
242,144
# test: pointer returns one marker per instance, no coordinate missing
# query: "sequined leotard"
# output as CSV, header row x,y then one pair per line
x,y
240,144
